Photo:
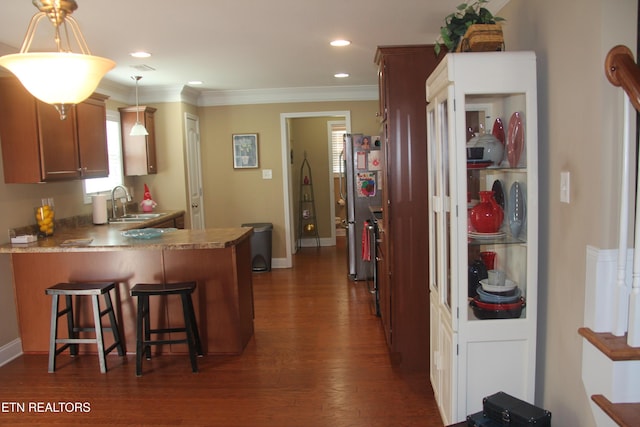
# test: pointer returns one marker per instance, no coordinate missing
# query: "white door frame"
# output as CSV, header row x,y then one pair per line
x,y
195,169
332,199
287,185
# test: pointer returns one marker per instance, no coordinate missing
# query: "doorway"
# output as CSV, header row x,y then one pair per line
x,y
289,168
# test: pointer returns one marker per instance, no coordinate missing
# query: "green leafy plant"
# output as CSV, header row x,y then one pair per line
x,y
457,23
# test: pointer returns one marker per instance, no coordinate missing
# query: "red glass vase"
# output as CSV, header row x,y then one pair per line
x,y
486,216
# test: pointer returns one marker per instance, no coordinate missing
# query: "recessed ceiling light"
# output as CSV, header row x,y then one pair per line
x,y
194,82
140,54
341,75
340,43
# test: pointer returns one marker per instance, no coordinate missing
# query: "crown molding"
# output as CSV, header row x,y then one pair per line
x,y
284,95
208,98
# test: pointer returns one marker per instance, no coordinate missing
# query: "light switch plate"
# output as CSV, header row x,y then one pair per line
x,y
267,174
565,187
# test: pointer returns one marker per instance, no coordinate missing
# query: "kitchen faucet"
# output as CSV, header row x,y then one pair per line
x,y
114,208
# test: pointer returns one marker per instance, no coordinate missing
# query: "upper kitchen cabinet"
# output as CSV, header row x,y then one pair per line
x,y
37,146
404,295
483,228
139,152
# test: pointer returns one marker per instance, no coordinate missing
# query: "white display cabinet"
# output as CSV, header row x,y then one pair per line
x,y
477,351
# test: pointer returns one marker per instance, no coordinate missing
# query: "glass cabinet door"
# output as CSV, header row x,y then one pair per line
x,y
438,119
497,178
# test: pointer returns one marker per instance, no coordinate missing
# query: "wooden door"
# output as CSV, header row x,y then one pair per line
x,y
194,169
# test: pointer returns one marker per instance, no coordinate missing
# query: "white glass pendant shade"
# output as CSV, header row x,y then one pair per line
x,y
58,77
138,130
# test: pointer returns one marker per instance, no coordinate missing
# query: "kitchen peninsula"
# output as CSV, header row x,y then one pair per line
x,y
219,260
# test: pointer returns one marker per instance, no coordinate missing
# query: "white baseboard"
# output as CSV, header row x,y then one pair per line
x,y
279,263
10,351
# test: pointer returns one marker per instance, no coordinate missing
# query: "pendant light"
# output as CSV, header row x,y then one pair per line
x,y
62,77
138,129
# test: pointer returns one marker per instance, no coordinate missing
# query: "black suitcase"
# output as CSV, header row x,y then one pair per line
x,y
514,412
479,420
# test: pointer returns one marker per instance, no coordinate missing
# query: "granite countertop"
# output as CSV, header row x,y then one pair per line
x,y
108,237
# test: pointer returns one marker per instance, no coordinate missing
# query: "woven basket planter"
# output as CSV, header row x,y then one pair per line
x,y
482,38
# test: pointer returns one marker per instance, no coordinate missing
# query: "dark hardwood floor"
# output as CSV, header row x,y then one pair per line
x,y
318,358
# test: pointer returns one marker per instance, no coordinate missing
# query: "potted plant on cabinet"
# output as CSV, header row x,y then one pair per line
x,y
472,27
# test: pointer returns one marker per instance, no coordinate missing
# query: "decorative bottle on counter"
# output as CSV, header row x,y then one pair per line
x,y
45,217
486,216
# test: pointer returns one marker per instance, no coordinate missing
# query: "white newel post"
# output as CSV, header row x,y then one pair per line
x,y
621,309
633,338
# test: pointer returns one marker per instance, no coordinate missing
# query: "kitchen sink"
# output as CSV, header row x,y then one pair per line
x,y
125,220
138,217
143,216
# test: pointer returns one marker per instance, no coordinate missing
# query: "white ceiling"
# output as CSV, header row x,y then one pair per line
x,y
241,44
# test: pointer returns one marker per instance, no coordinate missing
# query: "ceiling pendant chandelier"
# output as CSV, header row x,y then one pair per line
x,y
61,77
138,129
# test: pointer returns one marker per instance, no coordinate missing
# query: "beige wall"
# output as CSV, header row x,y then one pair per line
x,y
579,132
233,197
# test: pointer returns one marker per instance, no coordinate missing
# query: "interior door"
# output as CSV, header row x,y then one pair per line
x,y
194,171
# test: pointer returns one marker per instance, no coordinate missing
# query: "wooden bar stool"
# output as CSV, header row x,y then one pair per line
x,y
94,290
143,328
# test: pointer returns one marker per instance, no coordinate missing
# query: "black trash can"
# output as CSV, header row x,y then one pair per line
x,y
260,245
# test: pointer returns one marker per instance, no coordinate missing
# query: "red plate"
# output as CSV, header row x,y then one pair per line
x,y
498,307
479,164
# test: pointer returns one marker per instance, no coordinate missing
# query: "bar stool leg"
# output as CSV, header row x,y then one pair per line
x,y
194,324
147,326
99,336
71,329
53,333
114,324
139,337
189,330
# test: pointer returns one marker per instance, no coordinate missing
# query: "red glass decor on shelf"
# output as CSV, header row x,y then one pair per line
x,y
486,216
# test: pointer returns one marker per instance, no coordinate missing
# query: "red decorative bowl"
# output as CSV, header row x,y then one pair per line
x,y
485,310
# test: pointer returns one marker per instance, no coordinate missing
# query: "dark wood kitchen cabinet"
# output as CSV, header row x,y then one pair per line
x,y
139,152
403,286
37,146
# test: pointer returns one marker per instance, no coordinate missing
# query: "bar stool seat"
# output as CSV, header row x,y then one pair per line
x,y
143,327
94,290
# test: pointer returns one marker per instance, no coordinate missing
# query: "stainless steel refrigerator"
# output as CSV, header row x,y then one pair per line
x,y
361,190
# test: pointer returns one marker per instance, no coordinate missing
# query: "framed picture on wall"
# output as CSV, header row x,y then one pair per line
x,y
245,150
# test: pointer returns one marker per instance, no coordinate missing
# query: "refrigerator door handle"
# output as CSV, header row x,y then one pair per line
x,y
341,174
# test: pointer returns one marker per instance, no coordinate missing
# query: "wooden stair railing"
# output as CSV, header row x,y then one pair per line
x,y
622,71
